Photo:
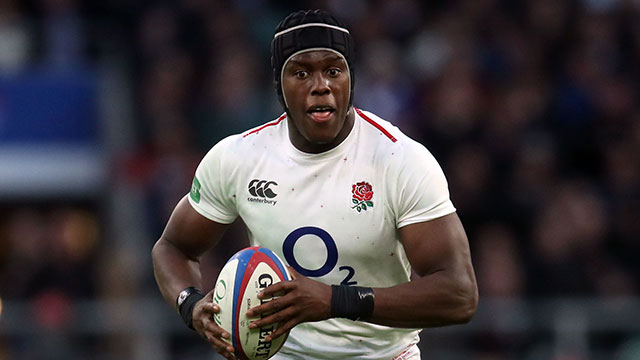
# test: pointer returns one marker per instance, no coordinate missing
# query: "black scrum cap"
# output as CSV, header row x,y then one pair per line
x,y
309,29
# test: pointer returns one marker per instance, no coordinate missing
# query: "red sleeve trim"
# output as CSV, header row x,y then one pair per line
x,y
376,125
275,122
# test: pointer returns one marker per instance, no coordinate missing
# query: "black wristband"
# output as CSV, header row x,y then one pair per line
x,y
185,308
352,302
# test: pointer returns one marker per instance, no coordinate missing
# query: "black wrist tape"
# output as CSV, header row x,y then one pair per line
x,y
352,302
186,308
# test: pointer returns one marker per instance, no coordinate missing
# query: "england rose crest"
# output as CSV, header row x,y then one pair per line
x,y
362,193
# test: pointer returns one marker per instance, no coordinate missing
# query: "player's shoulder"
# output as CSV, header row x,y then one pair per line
x,y
265,132
388,137
242,146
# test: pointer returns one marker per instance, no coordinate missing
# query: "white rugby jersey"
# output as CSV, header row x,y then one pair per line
x,y
332,216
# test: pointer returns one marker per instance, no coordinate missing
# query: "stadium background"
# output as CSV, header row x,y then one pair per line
x,y
531,108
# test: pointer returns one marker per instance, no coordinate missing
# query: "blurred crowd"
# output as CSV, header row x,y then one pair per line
x,y
531,107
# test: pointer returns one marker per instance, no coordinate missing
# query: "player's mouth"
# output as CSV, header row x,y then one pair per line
x,y
321,113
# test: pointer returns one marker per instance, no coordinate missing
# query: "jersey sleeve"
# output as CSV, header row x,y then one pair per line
x,y
212,187
421,188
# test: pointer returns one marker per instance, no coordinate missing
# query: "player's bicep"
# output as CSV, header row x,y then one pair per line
x,y
437,245
191,232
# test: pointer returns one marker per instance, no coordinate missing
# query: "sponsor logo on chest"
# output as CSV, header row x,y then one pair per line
x,y
262,191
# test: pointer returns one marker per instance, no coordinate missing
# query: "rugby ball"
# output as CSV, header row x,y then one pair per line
x,y
236,290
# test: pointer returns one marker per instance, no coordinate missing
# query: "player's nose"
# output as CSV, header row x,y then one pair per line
x,y
320,85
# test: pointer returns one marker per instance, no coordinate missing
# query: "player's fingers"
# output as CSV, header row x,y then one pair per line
x,y
270,306
279,288
208,308
218,344
226,352
278,317
213,334
228,355
293,272
282,329
216,330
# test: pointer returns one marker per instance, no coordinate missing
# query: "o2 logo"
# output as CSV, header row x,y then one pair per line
x,y
332,254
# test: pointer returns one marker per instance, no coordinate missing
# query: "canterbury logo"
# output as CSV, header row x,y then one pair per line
x,y
261,188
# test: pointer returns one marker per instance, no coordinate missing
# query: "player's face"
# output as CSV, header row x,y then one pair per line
x,y
316,87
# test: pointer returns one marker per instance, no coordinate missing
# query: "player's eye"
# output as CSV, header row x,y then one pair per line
x,y
301,74
334,72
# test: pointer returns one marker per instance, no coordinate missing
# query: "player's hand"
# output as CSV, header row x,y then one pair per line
x,y
300,300
204,324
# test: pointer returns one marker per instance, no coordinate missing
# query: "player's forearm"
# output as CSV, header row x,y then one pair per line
x,y
173,270
433,300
